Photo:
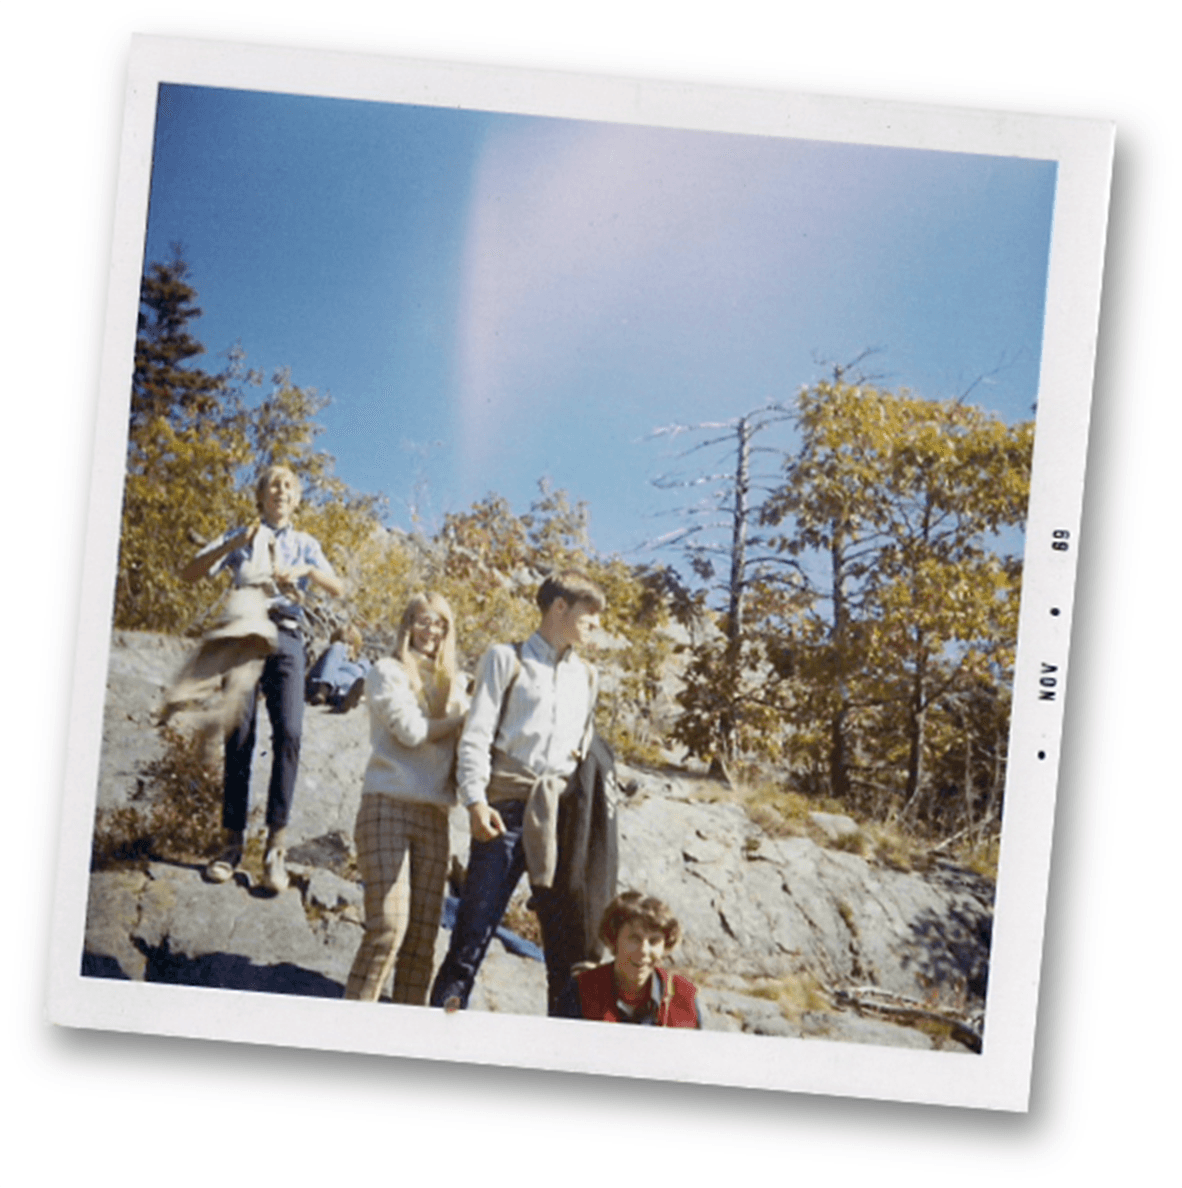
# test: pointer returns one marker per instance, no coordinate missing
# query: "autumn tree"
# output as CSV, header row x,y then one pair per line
x,y
488,561
889,516
282,430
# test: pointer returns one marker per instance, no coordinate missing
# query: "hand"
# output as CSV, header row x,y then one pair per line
x,y
440,728
246,536
288,579
485,821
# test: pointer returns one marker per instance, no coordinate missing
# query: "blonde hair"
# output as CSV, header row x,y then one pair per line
x,y
438,696
350,637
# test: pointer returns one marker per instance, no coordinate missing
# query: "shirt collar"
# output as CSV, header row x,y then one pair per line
x,y
645,1010
543,650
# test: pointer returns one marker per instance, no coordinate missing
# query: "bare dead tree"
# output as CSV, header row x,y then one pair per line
x,y
716,530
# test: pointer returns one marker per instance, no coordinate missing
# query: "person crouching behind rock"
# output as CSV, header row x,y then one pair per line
x,y
639,931
337,679
415,712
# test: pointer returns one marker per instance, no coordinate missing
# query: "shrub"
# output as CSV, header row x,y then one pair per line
x,y
120,835
777,811
175,813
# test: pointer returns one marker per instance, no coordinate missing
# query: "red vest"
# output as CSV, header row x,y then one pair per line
x,y
597,998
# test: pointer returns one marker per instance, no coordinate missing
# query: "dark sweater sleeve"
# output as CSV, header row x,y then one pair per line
x,y
569,1004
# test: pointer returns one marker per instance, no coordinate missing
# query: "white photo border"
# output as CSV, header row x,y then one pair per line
x,y
999,1077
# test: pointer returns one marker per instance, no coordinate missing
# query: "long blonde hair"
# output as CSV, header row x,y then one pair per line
x,y
439,694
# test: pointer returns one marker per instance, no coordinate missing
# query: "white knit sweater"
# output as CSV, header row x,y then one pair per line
x,y
403,763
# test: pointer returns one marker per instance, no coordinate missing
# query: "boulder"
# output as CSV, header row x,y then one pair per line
x,y
835,828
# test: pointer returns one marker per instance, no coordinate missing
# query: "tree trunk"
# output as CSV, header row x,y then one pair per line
x,y
968,775
916,728
995,785
839,771
734,628
734,618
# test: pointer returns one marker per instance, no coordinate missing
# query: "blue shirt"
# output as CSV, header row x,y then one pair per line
x,y
292,548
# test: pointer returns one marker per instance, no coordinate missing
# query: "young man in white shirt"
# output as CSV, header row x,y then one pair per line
x,y
529,725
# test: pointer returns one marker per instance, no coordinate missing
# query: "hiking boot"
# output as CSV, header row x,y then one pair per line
x,y
275,870
222,868
352,697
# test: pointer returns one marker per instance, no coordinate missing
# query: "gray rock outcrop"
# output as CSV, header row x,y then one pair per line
x,y
774,927
759,906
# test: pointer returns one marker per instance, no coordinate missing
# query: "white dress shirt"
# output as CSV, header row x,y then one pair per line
x,y
545,720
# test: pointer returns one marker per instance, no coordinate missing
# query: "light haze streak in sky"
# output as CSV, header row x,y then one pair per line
x,y
494,298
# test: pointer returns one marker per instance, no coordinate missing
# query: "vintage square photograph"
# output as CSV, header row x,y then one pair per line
x,y
573,552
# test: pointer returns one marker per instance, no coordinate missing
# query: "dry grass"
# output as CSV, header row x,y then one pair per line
x,y
781,812
776,810
252,853
847,917
981,858
630,747
795,994
894,848
519,919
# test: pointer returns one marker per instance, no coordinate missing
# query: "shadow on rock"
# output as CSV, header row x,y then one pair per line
x,y
231,971
957,949
330,851
97,965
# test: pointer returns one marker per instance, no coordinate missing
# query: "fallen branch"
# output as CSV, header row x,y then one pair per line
x,y
980,827
873,1000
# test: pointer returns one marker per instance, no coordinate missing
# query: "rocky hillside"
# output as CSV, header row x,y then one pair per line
x,y
797,936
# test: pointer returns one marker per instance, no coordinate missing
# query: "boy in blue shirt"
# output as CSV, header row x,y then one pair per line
x,y
284,562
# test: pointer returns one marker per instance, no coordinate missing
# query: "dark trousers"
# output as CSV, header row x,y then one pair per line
x,y
282,685
494,869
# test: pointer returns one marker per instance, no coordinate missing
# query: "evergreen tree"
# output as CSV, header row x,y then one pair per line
x,y
187,446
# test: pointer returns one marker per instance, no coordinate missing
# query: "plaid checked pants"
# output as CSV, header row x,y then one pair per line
x,y
402,849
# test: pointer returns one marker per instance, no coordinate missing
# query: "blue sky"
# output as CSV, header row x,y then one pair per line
x,y
490,299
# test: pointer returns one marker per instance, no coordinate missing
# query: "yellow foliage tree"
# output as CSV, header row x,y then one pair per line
x,y
891,510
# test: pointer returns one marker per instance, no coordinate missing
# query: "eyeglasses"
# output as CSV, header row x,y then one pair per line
x,y
425,624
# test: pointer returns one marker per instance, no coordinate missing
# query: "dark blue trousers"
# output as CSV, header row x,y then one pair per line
x,y
282,686
494,870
